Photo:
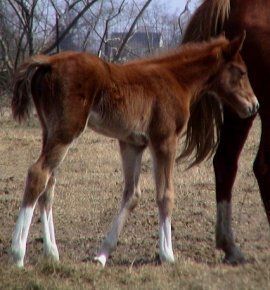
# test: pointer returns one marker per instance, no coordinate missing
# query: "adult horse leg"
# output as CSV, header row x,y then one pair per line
x,y
38,180
164,156
233,136
131,161
45,204
262,163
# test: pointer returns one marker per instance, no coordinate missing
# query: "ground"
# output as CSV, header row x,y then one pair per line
x,y
88,192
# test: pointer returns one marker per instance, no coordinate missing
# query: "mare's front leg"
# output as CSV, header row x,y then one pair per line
x,y
163,152
233,136
39,180
131,162
262,162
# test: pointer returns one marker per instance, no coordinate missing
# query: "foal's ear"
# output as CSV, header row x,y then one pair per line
x,y
223,34
234,46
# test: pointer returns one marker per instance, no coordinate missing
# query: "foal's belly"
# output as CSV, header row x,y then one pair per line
x,y
115,128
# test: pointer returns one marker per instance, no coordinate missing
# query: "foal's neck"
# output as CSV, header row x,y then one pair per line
x,y
195,65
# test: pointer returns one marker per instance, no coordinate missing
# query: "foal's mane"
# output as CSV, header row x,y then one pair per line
x,y
185,53
202,137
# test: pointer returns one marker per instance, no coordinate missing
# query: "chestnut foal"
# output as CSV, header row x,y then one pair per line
x,y
142,103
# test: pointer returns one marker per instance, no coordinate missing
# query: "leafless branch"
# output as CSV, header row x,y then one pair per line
x,y
5,54
126,38
186,9
69,27
107,22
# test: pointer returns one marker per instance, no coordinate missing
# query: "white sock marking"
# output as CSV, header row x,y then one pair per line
x,y
50,247
165,241
20,235
111,239
224,232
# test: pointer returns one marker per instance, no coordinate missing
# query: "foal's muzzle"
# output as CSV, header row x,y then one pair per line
x,y
249,108
254,109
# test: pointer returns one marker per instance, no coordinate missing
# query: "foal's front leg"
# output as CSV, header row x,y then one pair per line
x,y
164,157
131,161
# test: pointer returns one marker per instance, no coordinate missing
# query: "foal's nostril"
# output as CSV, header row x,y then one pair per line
x,y
257,106
255,110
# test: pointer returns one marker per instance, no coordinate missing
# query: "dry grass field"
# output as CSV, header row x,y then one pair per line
x,y
88,192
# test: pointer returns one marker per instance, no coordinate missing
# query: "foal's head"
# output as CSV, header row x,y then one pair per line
x,y
231,84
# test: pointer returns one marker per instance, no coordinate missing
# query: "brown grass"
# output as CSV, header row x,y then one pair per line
x,y
87,196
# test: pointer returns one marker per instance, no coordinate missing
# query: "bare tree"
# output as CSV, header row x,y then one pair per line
x,y
184,16
25,13
118,54
71,25
33,26
112,15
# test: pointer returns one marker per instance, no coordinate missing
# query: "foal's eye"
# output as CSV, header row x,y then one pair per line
x,y
237,72
242,73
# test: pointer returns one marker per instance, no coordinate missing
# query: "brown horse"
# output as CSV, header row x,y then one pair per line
x,y
232,16
142,103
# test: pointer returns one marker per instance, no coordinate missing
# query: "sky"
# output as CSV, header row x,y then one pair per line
x,y
177,5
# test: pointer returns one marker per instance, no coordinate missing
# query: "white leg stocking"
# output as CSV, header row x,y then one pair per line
x,y
20,235
165,240
111,239
50,247
224,234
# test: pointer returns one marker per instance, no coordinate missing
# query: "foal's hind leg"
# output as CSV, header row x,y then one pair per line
x,y
233,136
131,160
45,203
37,180
164,157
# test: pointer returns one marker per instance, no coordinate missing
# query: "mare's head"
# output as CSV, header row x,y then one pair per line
x,y
231,83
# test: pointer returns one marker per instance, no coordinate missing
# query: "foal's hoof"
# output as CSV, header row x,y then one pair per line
x,y
16,258
101,260
18,264
166,258
51,254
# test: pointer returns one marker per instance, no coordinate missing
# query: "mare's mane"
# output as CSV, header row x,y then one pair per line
x,y
207,21
202,138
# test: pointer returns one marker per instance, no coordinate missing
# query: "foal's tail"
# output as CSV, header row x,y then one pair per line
x,y
203,129
24,81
